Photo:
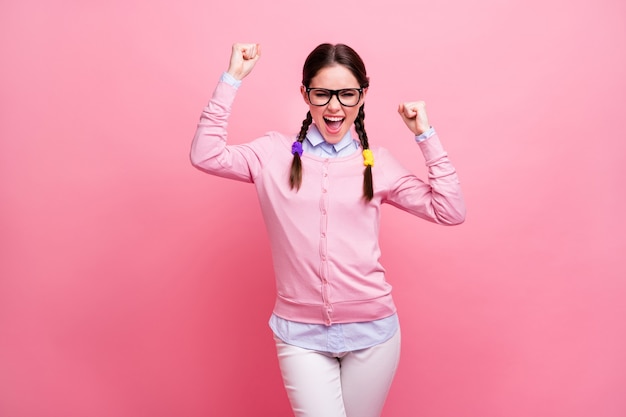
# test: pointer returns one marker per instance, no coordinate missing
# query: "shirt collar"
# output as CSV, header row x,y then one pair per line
x,y
315,138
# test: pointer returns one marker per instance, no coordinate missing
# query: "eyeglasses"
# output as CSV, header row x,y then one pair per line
x,y
348,97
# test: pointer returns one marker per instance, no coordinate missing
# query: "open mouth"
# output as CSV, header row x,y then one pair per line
x,y
333,123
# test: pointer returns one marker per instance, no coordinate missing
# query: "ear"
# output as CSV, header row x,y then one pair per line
x,y
304,95
364,94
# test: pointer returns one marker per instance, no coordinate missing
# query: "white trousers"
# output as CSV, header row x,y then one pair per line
x,y
350,384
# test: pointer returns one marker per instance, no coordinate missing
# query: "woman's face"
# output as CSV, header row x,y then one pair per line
x,y
333,119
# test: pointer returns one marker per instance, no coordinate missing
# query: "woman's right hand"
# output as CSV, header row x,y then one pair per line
x,y
243,58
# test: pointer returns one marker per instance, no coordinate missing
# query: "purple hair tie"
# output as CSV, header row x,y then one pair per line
x,y
296,148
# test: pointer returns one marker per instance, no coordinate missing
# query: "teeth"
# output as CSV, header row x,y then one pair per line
x,y
334,119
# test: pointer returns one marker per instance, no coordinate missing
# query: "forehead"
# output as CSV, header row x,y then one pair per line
x,y
334,77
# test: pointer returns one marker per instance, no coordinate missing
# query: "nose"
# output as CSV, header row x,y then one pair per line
x,y
334,102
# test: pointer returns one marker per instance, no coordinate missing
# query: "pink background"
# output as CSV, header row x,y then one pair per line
x,y
134,285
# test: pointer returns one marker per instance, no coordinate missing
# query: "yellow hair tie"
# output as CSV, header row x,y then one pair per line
x,y
368,158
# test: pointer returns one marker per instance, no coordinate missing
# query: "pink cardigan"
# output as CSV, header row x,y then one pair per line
x,y
324,237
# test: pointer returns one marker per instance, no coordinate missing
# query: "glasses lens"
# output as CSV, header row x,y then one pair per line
x,y
349,96
319,96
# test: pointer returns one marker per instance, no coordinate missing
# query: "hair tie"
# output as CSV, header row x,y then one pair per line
x,y
368,158
296,148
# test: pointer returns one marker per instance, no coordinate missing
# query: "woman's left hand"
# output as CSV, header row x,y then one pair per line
x,y
414,115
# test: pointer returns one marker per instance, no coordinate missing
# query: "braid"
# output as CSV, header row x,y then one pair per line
x,y
295,176
368,183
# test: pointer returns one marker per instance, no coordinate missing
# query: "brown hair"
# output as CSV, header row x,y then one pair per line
x,y
323,56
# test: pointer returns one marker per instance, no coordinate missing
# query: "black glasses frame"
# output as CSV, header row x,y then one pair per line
x,y
336,94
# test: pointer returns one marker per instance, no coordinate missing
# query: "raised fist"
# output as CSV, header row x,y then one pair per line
x,y
243,58
414,115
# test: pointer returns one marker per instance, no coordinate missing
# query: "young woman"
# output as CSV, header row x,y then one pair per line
x,y
334,321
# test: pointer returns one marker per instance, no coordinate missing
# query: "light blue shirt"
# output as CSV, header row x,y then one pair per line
x,y
338,337
314,144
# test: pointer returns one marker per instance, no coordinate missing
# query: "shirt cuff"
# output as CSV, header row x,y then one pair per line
x,y
229,79
425,135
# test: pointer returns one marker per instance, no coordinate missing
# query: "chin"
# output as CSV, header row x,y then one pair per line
x,y
332,137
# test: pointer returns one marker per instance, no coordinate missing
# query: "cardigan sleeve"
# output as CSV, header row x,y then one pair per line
x,y
209,150
439,200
